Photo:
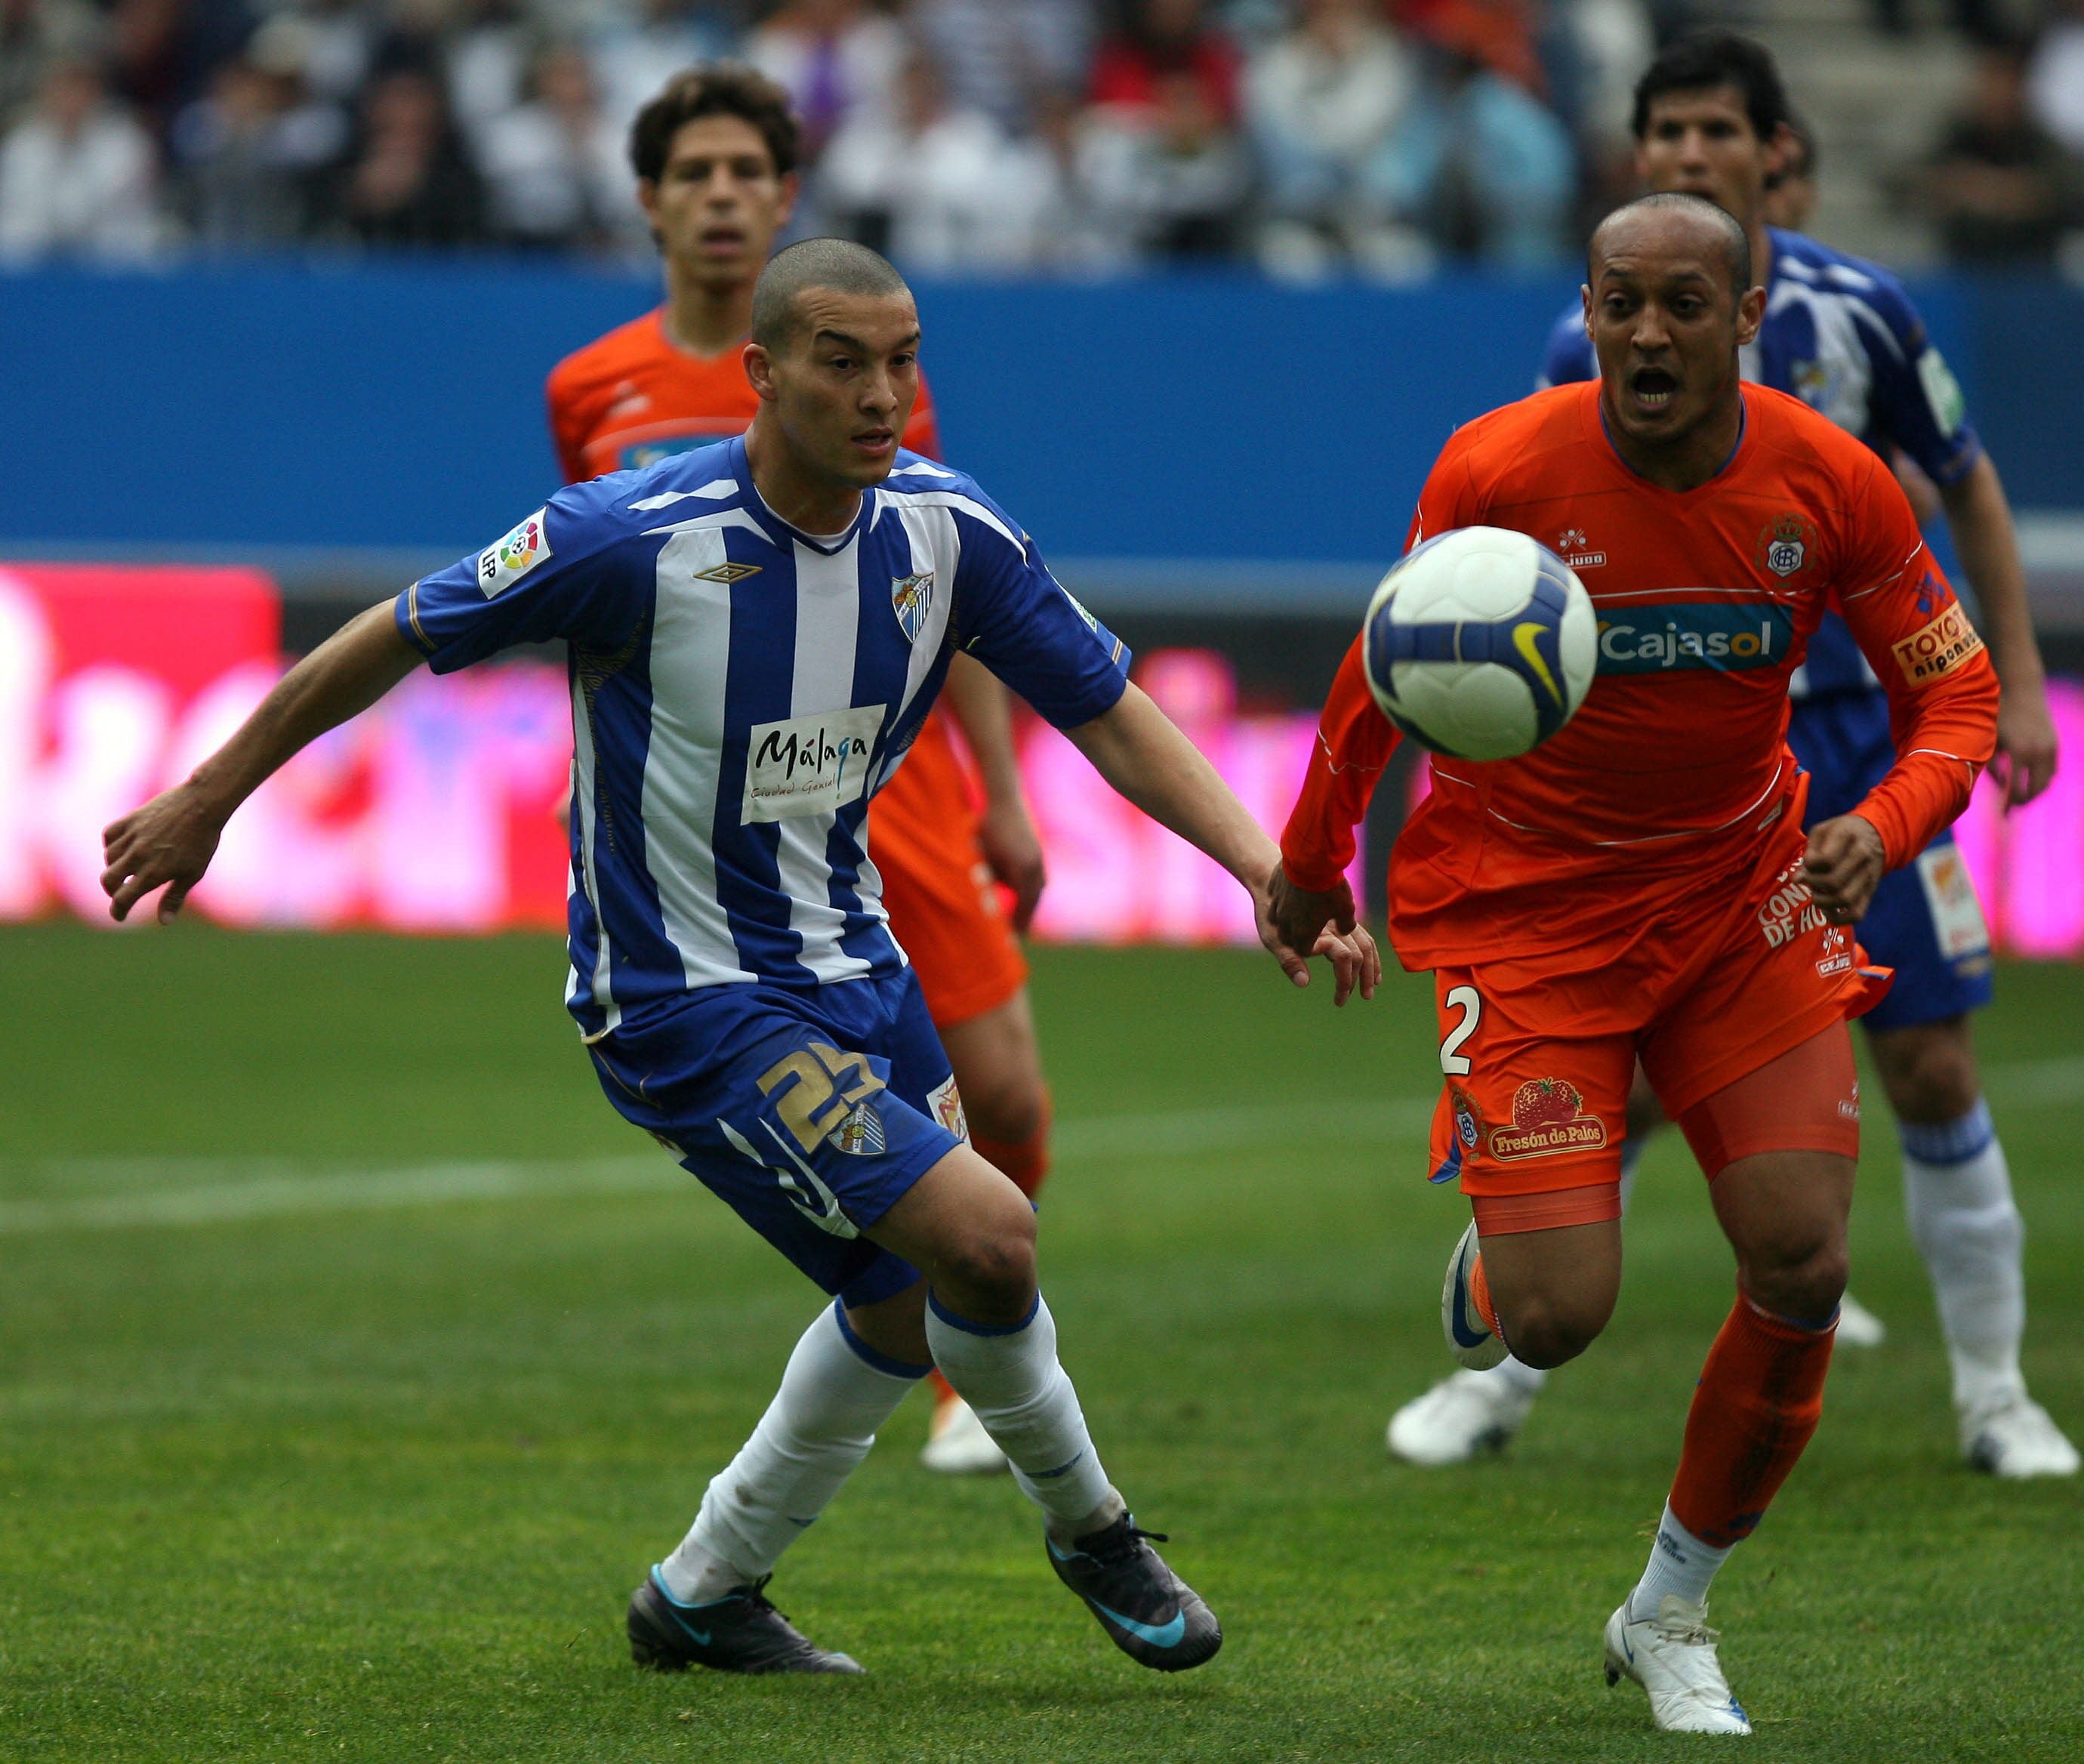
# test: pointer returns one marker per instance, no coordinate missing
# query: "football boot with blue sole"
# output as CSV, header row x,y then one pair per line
x,y
739,1632
1147,1610
1470,1339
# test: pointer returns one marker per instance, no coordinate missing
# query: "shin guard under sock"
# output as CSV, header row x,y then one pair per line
x,y
1010,1376
836,1392
1759,1400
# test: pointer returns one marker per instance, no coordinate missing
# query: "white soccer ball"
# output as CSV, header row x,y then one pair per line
x,y
1480,644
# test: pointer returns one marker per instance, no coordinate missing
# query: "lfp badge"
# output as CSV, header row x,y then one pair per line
x,y
502,564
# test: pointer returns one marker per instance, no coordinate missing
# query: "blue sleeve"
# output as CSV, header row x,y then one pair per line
x,y
1568,357
1914,399
568,570
1024,624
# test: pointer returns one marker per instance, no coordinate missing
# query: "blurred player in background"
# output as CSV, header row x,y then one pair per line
x,y
1790,197
715,155
756,630
1640,886
1712,119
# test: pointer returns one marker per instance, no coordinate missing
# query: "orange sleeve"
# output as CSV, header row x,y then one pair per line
x,y
1942,691
565,432
922,434
1354,742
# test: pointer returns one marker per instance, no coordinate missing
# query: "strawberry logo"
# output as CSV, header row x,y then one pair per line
x,y
1547,1117
1540,1101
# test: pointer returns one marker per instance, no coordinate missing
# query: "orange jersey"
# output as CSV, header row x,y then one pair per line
x,y
1654,797
633,396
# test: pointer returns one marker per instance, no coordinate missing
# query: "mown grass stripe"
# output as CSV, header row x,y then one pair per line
x,y
164,1192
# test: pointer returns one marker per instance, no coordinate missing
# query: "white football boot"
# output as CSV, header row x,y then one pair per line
x,y
957,1444
2012,1436
1469,1337
1857,1326
1672,1656
1458,1418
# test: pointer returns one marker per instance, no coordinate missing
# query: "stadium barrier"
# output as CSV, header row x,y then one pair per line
x,y
436,810
397,408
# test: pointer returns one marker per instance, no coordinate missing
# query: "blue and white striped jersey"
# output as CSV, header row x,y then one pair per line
x,y
1841,335
740,690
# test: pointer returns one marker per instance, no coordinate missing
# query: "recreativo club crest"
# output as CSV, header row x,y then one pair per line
x,y
910,598
1783,547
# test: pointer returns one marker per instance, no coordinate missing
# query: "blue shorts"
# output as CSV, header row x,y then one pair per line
x,y
1926,922
812,1112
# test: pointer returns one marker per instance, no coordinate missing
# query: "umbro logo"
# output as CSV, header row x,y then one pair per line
x,y
729,572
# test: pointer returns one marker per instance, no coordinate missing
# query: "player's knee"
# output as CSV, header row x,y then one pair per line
x,y
1545,1331
1802,1282
990,1267
1012,1107
1929,1071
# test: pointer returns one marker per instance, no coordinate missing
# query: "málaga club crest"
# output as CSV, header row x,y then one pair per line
x,y
910,596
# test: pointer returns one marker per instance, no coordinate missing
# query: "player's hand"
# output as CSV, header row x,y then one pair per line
x,y
2025,764
168,842
1296,924
1843,866
1012,849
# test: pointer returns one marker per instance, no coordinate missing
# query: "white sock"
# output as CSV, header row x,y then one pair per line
x,y
1024,1399
1527,1380
836,1392
1958,1193
1679,1562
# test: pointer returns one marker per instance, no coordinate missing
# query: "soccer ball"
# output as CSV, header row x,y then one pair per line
x,y
1480,644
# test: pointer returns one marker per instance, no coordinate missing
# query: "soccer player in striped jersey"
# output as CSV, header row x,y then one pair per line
x,y
715,157
1711,119
756,631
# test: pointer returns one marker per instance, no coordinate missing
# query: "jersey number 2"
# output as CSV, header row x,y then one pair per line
x,y
1453,1063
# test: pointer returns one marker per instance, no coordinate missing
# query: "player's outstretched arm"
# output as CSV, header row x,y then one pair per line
x,y
1005,832
1135,746
171,840
1942,696
1354,742
1981,519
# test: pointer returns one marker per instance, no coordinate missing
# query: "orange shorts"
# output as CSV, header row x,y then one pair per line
x,y
944,906
1538,1064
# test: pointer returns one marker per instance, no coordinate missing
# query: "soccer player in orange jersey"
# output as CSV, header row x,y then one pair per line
x,y
1640,885
715,156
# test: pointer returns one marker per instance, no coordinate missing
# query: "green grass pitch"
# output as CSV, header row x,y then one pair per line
x,y
355,1360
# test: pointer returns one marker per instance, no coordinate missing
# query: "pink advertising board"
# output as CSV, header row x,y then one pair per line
x,y
436,811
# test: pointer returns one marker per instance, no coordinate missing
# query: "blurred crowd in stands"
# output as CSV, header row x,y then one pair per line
x,y
1311,136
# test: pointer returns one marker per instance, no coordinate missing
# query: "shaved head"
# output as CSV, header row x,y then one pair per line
x,y
837,264
1676,210
1668,308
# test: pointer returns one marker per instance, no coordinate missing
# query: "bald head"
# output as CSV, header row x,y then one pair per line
x,y
837,264
1674,223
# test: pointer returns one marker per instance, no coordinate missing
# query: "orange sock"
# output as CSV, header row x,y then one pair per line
x,y
1026,1160
1479,1295
1759,1400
